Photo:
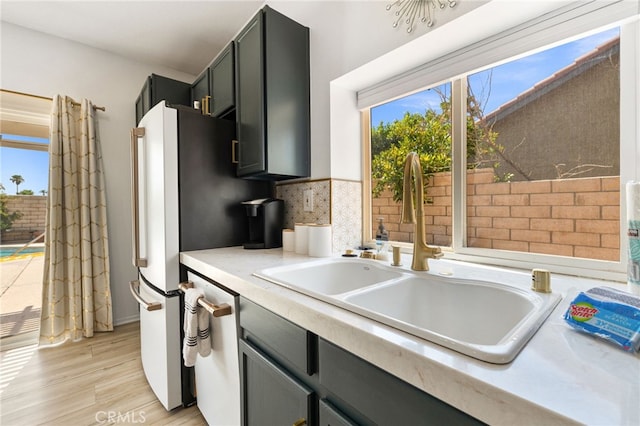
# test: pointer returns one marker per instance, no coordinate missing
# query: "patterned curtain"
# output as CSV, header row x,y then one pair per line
x,y
76,297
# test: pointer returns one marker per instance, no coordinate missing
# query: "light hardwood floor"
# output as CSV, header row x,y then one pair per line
x,y
96,381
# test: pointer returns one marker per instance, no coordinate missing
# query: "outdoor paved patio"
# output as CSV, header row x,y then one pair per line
x,y
20,295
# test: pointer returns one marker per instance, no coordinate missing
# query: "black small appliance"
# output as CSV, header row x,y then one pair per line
x,y
266,218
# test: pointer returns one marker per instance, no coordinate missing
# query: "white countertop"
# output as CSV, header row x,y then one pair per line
x,y
561,376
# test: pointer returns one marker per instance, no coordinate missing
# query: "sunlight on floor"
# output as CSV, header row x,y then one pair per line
x,y
12,361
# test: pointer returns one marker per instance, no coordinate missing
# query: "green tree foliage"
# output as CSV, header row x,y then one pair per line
x,y
26,192
429,135
6,218
17,179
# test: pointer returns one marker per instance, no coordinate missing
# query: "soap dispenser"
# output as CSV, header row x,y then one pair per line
x,y
381,233
382,236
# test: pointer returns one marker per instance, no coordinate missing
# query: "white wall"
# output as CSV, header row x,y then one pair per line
x,y
36,63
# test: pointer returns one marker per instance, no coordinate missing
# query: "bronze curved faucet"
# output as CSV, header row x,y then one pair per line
x,y
421,251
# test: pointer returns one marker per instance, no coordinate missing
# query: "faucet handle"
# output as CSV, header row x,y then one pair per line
x,y
541,280
368,255
435,252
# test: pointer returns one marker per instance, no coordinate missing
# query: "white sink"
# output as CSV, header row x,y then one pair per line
x,y
488,321
330,276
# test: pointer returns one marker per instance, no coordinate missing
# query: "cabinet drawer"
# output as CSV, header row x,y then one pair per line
x,y
271,396
281,339
381,397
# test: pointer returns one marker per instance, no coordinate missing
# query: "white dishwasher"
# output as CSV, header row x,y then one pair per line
x,y
217,375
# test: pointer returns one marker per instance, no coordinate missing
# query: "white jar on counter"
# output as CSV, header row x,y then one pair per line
x,y
320,240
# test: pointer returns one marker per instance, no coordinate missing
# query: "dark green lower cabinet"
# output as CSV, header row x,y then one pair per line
x,y
371,396
330,416
270,395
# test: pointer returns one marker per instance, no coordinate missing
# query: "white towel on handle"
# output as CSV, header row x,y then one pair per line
x,y
196,328
204,333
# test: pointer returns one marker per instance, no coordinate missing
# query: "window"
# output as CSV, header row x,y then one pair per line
x,y
418,123
545,176
542,170
24,143
24,162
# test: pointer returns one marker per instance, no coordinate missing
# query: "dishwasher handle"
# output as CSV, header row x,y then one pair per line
x,y
215,310
134,287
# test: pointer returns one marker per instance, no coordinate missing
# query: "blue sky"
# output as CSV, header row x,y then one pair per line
x,y
507,80
33,166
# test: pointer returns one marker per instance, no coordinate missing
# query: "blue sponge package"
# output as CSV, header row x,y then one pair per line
x,y
608,313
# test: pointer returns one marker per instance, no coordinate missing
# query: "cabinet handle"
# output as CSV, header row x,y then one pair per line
x,y
234,144
300,422
205,105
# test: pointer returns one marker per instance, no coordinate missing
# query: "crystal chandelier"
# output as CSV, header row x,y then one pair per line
x,y
410,10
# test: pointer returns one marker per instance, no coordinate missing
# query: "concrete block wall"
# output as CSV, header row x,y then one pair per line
x,y
32,222
568,217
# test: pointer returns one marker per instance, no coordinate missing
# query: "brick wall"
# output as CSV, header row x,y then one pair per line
x,y
569,217
31,224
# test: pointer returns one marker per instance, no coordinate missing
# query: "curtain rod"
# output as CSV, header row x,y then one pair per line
x,y
101,108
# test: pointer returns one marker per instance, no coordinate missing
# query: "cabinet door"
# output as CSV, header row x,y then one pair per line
x,y
222,80
139,109
170,90
158,88
250,111
200,89
143,103
270,396
330,416
286,47
379,396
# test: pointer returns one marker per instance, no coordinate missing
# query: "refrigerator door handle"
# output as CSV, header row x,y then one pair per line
x,y
134,287
138,261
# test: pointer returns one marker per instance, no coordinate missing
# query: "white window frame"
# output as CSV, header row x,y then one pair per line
x,y
574,21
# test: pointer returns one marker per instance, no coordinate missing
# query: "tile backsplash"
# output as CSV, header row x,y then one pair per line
x,y
346,214
336,202
292,194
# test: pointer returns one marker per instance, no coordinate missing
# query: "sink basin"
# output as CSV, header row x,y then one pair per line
x,y
329,277
486,320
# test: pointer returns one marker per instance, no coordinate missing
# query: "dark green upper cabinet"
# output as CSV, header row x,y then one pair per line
x,y
272,98
222,80
158,88
200,89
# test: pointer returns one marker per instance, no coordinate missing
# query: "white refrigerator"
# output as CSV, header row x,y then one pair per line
x,y
185,196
